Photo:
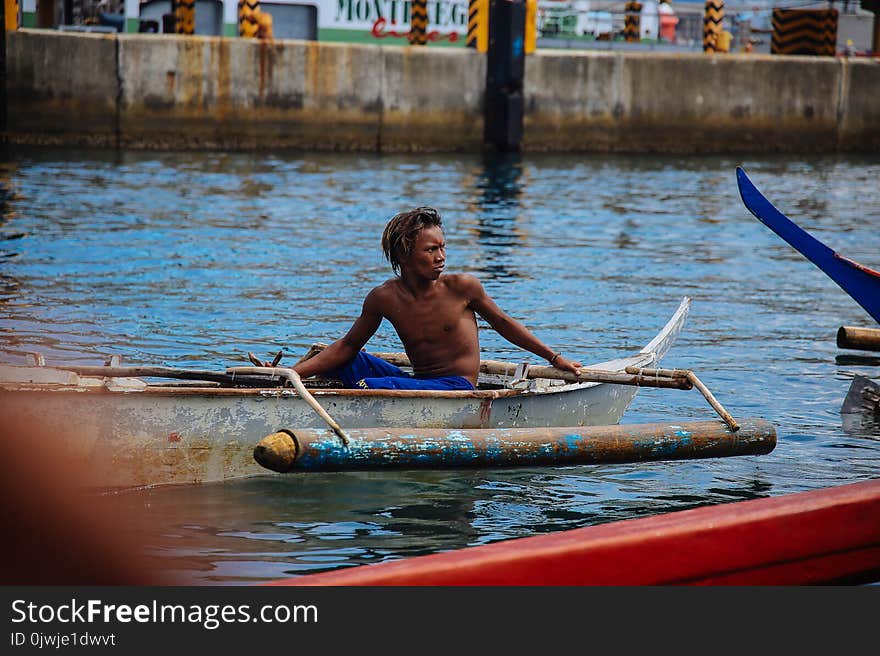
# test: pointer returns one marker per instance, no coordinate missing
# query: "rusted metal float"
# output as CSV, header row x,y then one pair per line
x,y
382,448
827,536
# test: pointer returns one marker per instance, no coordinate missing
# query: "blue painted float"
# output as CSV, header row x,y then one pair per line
x,y
303,450
857,280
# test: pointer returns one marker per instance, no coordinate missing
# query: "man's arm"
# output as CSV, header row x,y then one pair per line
x,y
344,349
511,329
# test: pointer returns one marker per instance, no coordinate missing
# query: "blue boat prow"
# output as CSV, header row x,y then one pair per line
x,y
857,280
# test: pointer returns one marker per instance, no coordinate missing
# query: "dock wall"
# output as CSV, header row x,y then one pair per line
x,y
168,91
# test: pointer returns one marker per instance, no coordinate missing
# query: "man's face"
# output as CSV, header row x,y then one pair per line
x,y
428,257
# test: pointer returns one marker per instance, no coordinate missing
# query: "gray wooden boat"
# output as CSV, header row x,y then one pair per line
x,y
122,427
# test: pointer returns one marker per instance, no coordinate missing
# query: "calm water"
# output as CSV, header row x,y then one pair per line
x,y
195,259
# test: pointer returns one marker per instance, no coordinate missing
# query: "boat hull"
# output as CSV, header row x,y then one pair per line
x,y
860,282
828,536
150,438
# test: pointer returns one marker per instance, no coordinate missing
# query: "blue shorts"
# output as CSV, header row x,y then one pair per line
x,y
369,372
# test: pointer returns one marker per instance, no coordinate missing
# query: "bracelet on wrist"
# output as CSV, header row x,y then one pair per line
x,y
554,358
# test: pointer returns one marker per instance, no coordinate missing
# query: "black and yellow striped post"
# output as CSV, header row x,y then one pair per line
x,y
804,32
531,38
247,17
184,16
632,21
418,22
10,7
478,25
713,17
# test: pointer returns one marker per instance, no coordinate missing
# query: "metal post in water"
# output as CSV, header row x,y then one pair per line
x,y
505,72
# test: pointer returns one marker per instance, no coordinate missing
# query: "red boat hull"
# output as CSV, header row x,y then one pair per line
x,y
828,536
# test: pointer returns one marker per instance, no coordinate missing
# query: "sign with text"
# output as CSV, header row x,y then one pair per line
x,y
371,20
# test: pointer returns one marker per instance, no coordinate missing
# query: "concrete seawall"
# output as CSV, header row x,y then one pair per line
x,y
156,91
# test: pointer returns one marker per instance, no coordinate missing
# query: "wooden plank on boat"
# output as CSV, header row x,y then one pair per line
x,y
37,375
827,536
382,448
852,337
639,376
252,380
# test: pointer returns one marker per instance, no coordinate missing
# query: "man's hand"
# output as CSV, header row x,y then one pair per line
x,y
265,363
567,365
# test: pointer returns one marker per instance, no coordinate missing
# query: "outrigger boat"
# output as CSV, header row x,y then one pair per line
x,y
859,281
127,429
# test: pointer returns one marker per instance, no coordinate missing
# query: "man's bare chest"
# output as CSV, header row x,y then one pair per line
x,y
417,320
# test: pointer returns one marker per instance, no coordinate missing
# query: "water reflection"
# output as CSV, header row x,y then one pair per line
x,y
8,236
500,182
624,239
284,525
864,425
272,527
497,212
858,360
7,191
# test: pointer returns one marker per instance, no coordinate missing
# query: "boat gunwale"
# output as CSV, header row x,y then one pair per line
x,y
159,389
652,352
263,392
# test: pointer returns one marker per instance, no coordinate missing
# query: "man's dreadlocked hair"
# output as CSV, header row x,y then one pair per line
x,y
401,232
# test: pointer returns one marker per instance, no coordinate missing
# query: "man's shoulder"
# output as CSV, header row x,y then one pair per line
x,y
385,289
462,281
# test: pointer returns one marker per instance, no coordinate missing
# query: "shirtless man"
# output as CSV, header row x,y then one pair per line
x,y
434,314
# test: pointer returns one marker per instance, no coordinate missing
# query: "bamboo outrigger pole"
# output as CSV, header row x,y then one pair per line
x,y
297,383
684,379
852,337
691,377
